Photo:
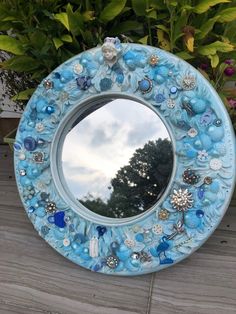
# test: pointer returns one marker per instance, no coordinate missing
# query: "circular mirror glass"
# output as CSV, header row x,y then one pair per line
x,y
117,158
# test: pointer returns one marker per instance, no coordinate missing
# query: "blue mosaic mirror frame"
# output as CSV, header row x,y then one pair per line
x,y
203,175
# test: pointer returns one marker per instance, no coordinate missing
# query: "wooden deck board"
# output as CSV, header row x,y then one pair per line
x,y
36,279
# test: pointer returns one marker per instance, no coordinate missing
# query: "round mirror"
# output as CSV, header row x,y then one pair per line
x,y
117,158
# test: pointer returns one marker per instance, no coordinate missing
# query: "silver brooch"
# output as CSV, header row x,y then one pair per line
x,y
188,82
181,200
112,261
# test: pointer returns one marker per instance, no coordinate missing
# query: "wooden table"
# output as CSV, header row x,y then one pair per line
x,y
36,279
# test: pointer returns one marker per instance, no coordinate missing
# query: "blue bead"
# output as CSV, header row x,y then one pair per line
x,y
59,219
159,98
51,219
31,209
166,261
139,237
144,85
200,193
101,230
30,143
173,90
44,230
17,146
199,213
79,238
191,220
50,109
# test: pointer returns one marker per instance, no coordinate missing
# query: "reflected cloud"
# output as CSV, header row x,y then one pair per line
x,y
103,142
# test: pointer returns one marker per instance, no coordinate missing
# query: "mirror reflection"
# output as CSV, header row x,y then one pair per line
x,y
117,159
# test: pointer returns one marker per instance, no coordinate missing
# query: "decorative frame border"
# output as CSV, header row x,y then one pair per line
x,y
203,178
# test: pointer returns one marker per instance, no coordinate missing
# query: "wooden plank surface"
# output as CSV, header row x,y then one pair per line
x,y
36,279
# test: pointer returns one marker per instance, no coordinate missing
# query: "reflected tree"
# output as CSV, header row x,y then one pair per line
x,y
138,185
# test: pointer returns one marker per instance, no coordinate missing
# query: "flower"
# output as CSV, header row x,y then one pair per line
x,y
39,127
202,155
229,71
163,214
231,102
181,199
105,84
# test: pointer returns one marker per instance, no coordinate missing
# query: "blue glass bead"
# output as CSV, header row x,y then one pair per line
x,y
191,220
31,209
120,78
159,79
191,153
101,230
30,143
51,219
44,230
199,213
163,70
79,238
159,98
166,261
83,82
17,146
145,85
50,109
173,90
216,133
217,122
105,84
59,219
96,267
198,105
200,193
139,237
114,246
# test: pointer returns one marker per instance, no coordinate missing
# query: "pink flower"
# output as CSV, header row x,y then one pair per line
x,y
231,102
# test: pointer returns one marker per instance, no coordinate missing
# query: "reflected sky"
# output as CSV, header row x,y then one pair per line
x,y
103,142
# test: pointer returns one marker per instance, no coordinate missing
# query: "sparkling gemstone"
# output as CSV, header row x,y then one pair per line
x,y
47,84
189,82
112,261
207,180
50,207
190,176
192,132
153,60
30,143
163,214
181,200
38,157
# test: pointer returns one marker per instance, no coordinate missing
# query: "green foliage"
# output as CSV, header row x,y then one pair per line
x,y
46,33
138,185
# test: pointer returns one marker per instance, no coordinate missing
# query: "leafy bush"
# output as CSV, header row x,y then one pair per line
x,y
41,34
